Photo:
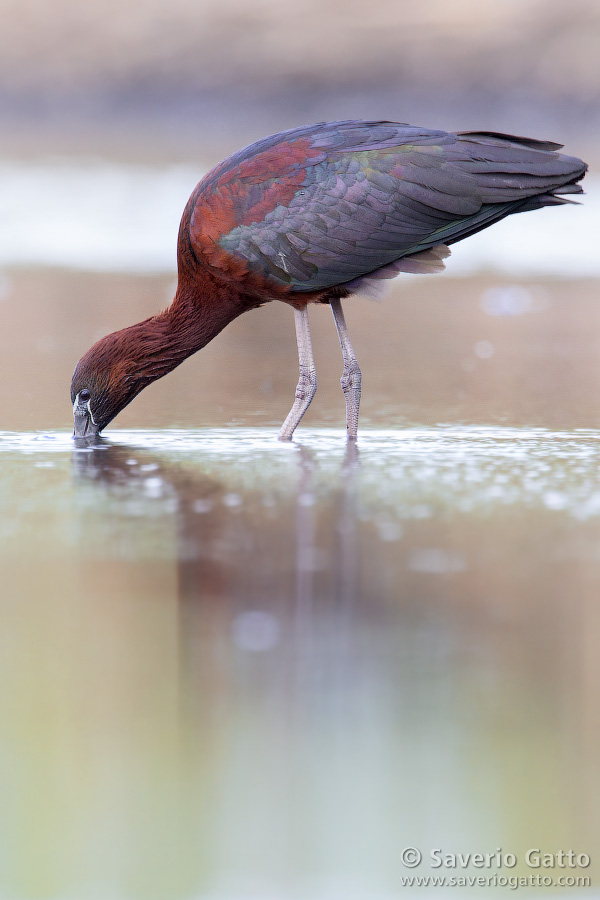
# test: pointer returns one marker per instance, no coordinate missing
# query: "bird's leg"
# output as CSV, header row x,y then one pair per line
x,y
350,379
307,383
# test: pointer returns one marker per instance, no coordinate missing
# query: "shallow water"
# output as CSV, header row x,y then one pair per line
x,y
234,668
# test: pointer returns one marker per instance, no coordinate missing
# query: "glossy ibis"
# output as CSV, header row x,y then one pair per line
x,y
313,215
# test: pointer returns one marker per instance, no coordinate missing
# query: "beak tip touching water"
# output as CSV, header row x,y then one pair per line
x,y
83,427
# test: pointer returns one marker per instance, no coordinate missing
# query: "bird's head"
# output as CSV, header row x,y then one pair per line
x,y
123,363
106,379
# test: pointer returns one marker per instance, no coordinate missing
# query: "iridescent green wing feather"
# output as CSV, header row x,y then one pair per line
x,y
325,205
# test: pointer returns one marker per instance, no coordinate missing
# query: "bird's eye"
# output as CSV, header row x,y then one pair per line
x,y
84,395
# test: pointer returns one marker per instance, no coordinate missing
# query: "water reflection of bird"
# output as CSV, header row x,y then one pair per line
x,y
314,215
231,550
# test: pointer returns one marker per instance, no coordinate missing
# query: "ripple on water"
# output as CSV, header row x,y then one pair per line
x,y
414,470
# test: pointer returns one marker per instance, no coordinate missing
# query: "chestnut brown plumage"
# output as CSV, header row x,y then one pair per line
x,y
314,215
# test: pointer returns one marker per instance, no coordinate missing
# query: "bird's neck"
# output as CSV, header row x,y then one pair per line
x,y
195,317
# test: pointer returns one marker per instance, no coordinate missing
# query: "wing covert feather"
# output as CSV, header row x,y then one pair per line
x,y
325,205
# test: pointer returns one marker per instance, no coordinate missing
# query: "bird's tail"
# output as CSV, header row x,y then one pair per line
x,y
554,197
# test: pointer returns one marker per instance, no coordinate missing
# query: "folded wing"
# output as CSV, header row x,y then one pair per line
x,y
325,205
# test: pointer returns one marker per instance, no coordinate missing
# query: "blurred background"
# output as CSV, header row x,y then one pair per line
x,y
191,79
110,115
234,670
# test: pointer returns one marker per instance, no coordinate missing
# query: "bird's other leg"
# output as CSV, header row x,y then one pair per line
x,y
350,380
307,383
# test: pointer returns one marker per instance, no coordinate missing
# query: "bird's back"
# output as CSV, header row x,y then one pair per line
x,y
324,205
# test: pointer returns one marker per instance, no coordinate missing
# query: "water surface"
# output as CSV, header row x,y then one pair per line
x,y
233,668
